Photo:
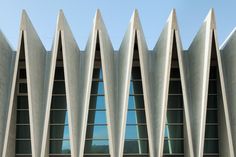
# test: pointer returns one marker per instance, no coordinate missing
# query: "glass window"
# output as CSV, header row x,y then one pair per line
x,y
175,87
59,73
22,102
59,117
136,147
59,147
136,117
97,117
97,87
23,131
136,132
173,146
136,102
96,147
59,88
58,102
211,146
22,88
22,74
175,101
22,117
59,131
96,132
23,147
174,116
174,131
97,102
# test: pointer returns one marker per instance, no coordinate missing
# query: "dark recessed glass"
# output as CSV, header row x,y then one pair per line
x,y
136,102
23,131
22,73
211,131
211,146
175,101
23,88
97,102
22,117
136,73
59,73
97,132
173,146
211,116
97,87
23,147
97,117
174,131
22,102
136,147
212,87
136,87
174,73
58,102
59,131
212,101
59,147
59,88
59,117
174,117
175,87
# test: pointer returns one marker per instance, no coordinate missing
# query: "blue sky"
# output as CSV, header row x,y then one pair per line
x,y
116,15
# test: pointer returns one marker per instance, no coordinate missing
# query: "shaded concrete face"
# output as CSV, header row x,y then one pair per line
x,y
155,117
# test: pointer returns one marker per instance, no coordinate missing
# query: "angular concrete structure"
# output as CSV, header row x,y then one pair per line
x,y
81,103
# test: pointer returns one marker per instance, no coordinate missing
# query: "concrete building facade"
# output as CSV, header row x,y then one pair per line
x,y
131,102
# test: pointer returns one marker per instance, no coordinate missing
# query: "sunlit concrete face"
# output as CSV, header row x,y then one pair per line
x,y
102,102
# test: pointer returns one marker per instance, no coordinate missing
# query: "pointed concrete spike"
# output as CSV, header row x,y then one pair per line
x,y
172,19
60,20
135,20
228,39
211,19
24,20
98,23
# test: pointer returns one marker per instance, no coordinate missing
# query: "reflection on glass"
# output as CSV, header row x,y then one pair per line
x,y
97,134
211,145
59,140
174,136
136,137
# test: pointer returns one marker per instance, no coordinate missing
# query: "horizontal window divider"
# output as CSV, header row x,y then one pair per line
x,y
212,94
212,109
141,109
54,109
95,154
97,139
93,94
136,139
23,154
174,124
97,80
175,109
59,139
136,124
58,124
97,109
19,109
22,124
23,139
93,124
57,94
174,139
208,124
173,154
175,79
136,154
136,94
59,80
211,139
22,94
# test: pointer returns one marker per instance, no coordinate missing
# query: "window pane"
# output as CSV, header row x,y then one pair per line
x,y
211,131
96,146
174,116
211,116
59,131
58,102
22,74
174,73
59,73
136,87
136,147
136,102
173,146
23,147
175,87
97,117
59,88
59,147
23,131
135,117
97,132
212,101
22,117
136,73
22,88
59,117
22,102
97,74
136,131
211,146
212,87
175,101
97,102
97,87
174,131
